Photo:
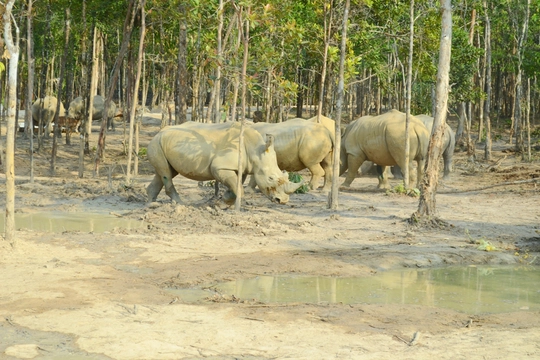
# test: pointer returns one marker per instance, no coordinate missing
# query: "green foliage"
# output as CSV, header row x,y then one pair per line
x,y
297,178
400,189
142,151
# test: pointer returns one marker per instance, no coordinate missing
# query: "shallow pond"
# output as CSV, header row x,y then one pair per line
x,y
470,289
66,221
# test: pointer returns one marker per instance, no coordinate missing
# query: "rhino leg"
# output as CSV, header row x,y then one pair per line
x,y
252,184
317,174
354,164
382,175
229,179
153,189
328,167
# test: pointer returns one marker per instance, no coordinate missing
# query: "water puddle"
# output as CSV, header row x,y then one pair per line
x,y
473,290
63,221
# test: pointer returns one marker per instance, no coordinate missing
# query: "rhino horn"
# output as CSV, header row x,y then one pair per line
x,y
291,187
269,141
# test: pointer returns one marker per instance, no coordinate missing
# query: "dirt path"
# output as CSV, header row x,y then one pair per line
x,y
73,294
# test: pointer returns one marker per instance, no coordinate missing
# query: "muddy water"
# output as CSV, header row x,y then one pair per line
x,y
473,290
62,221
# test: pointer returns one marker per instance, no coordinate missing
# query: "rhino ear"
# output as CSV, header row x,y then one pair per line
x,y
269,141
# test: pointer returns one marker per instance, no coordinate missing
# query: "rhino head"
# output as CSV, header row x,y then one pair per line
x,y
270,179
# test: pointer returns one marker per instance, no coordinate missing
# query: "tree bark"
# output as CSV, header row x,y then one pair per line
x,y
408,98
487,103
29,127
128,28
333,202
245,40
327,31
57,132
136,93
181,82
427,204
13,48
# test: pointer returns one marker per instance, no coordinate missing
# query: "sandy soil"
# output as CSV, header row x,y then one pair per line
x,y
75,295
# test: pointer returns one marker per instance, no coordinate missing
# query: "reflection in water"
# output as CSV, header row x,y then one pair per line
x,y
62,221
472,290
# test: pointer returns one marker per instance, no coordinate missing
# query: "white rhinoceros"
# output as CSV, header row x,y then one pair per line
x,y
448,145
202,152
381,139
43,111
76,110
301,144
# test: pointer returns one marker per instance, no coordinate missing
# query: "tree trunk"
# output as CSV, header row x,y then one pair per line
x,y
13,48
84,56
245,40
182,77
327,31
128,28
29,127
57,132
427,204
136,93
408,98
333,201
487,103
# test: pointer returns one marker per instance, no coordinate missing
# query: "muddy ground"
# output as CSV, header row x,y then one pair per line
x,y
85,295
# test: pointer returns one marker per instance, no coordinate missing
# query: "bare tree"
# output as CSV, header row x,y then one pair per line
x,y
181,80
135,92
128,29
408,97
29,124
427,204
13,49
57,131
245,41
327,32
333,202
487,103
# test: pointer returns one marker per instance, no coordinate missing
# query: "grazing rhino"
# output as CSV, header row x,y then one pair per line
x,y
43,111
381,139
76,110
448,145
301,144
326,122
202,152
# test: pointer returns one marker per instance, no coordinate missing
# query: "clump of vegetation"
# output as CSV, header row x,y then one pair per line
x,y
482,243
142,151
400,189
297,178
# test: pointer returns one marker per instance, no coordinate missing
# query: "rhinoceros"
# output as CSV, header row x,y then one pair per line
x,y
76,110
301,144
448,145
381,139
202,152
44,109
326,122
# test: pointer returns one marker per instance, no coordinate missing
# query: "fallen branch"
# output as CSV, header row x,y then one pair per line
x,y
518,182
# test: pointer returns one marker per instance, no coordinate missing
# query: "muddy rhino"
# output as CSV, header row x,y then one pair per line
x,y
381,139
44,109
76,110
202,152
301,144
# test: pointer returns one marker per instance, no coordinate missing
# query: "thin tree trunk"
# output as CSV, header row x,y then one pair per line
x,y
136,92
57,132
428,191
408,98
217,111
13,48
334,199
30,87
82,140
128,28
327,31
487,103
245,40
528,117
181,78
